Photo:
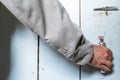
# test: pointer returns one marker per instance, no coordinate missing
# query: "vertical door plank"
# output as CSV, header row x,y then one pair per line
x,y
53,66
18,49
95,23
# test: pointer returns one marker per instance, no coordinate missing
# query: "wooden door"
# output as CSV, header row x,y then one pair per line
x,y
102,17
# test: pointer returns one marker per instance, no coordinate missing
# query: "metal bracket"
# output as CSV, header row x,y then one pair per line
x,y
107,8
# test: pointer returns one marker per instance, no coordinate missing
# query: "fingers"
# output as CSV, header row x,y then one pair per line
x,y
109,58
106,66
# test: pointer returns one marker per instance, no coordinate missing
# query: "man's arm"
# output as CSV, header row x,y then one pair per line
x,y
49,19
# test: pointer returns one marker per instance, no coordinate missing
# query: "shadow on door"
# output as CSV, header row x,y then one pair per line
x,y
7,27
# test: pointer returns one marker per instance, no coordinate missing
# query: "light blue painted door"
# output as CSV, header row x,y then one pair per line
x,y
18,49
107,24
53,66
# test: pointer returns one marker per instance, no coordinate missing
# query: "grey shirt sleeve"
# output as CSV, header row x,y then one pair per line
x,y
49,19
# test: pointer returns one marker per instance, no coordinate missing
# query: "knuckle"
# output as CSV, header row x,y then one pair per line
x,y
106,55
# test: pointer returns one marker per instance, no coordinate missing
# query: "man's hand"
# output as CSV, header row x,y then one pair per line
x,y
102,58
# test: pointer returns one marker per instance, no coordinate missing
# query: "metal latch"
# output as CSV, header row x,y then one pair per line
x,y
107,8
